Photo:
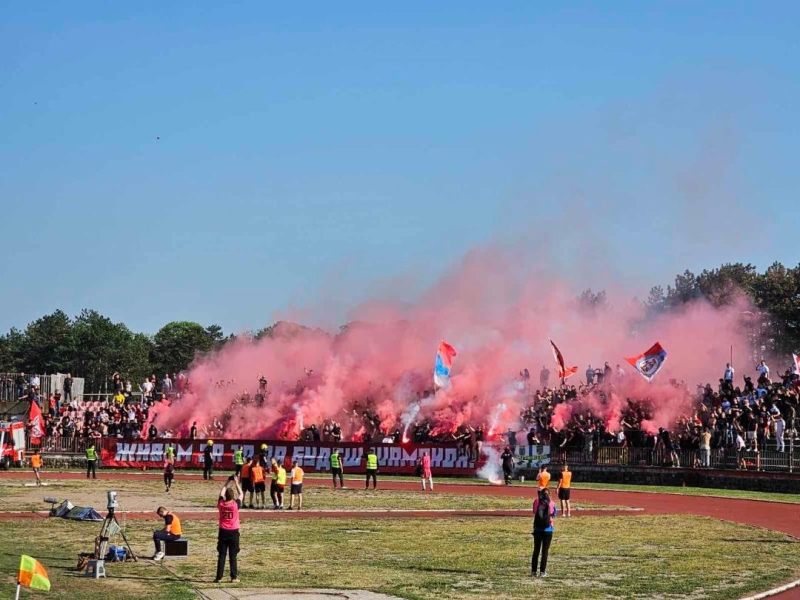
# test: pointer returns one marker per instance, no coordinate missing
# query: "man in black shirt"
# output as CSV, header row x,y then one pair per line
x,y
208,461
193,431
508,464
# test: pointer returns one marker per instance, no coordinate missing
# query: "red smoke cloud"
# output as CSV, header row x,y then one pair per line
x,y
499,319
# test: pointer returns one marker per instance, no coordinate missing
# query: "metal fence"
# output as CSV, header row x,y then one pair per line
x,y
14,386
767,460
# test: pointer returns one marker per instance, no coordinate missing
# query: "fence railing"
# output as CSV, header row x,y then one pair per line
x,y
768,459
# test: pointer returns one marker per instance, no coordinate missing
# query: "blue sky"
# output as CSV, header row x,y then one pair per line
x,y
317,156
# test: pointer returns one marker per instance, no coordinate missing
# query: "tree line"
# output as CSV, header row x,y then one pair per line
x,y
94,347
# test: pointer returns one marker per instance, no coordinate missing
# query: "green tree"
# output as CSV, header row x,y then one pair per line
x,y
591,302
686,290
11,346
103,347
48,345
216,336
177,344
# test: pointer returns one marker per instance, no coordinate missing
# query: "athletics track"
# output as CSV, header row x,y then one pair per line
x,y
783,517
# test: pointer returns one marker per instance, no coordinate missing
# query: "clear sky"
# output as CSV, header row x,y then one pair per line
x,y
227,162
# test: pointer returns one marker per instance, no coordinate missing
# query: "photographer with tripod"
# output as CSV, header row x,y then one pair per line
x,y
229,502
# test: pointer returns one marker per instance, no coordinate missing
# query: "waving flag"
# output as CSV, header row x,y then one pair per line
x,y
796,363
35,423
32,575
649,363
444,362
563,372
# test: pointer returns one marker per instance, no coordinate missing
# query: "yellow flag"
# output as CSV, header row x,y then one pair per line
x,y
32,574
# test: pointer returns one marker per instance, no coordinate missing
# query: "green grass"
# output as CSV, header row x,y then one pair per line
x,y
692,491
145,495
591,557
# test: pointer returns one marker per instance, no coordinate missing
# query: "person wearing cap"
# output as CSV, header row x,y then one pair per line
x,y
296,476
208,461
372,469
508,464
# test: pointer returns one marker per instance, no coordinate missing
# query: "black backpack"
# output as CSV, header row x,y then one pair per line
x,y
541,520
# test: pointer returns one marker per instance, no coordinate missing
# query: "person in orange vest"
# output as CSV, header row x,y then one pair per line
x,y
259,477
296,475
171,532
564,485
247,483
543,479
36,465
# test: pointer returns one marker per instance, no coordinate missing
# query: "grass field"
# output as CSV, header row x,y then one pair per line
x,y
591,557
146,495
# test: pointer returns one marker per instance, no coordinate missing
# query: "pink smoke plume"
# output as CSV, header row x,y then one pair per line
x,y
500,319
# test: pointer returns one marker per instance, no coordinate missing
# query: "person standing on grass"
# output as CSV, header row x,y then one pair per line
x,y
336,468
543,512
508,464
238,460
543,479
296,476
425,470
564,488
36,465
208,461
280,485
228,505
258,475
169,472
247,483
372,469
91,462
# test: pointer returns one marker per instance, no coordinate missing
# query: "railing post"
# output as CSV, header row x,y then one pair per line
x,y
791,454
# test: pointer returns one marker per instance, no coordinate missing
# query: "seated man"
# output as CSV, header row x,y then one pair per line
x,y
171,532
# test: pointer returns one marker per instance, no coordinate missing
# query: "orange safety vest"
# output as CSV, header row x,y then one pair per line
x,y
246,471
544,480
566,479
175,527
36,461
257,474
297,475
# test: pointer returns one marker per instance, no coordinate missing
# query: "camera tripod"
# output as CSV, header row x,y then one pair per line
x,y
110,528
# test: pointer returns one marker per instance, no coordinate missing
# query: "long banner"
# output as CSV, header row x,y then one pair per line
x,y
314,457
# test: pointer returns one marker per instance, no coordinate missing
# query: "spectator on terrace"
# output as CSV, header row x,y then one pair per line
x,y
147,389
620,372
589,375
544,377
727,377
166,385
607,371
763,370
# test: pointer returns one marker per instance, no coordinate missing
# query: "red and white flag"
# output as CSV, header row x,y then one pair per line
x,y
796,363
36,424
563,371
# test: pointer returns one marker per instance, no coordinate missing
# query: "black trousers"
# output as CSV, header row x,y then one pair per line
x,y
374,474
162,536
208,470
227,543
337,473
168,477
91,467
541,542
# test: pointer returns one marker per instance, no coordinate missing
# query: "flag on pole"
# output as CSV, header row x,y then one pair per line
x,y
563,371
649,363
32,574
796,363
444,363
35,423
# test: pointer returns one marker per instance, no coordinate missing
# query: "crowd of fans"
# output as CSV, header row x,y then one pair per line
x,y
753,416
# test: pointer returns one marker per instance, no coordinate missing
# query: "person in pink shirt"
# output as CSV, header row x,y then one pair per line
x,y
228,504
425,470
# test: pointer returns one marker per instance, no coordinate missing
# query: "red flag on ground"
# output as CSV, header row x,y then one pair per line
x,y
563,372
36,423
